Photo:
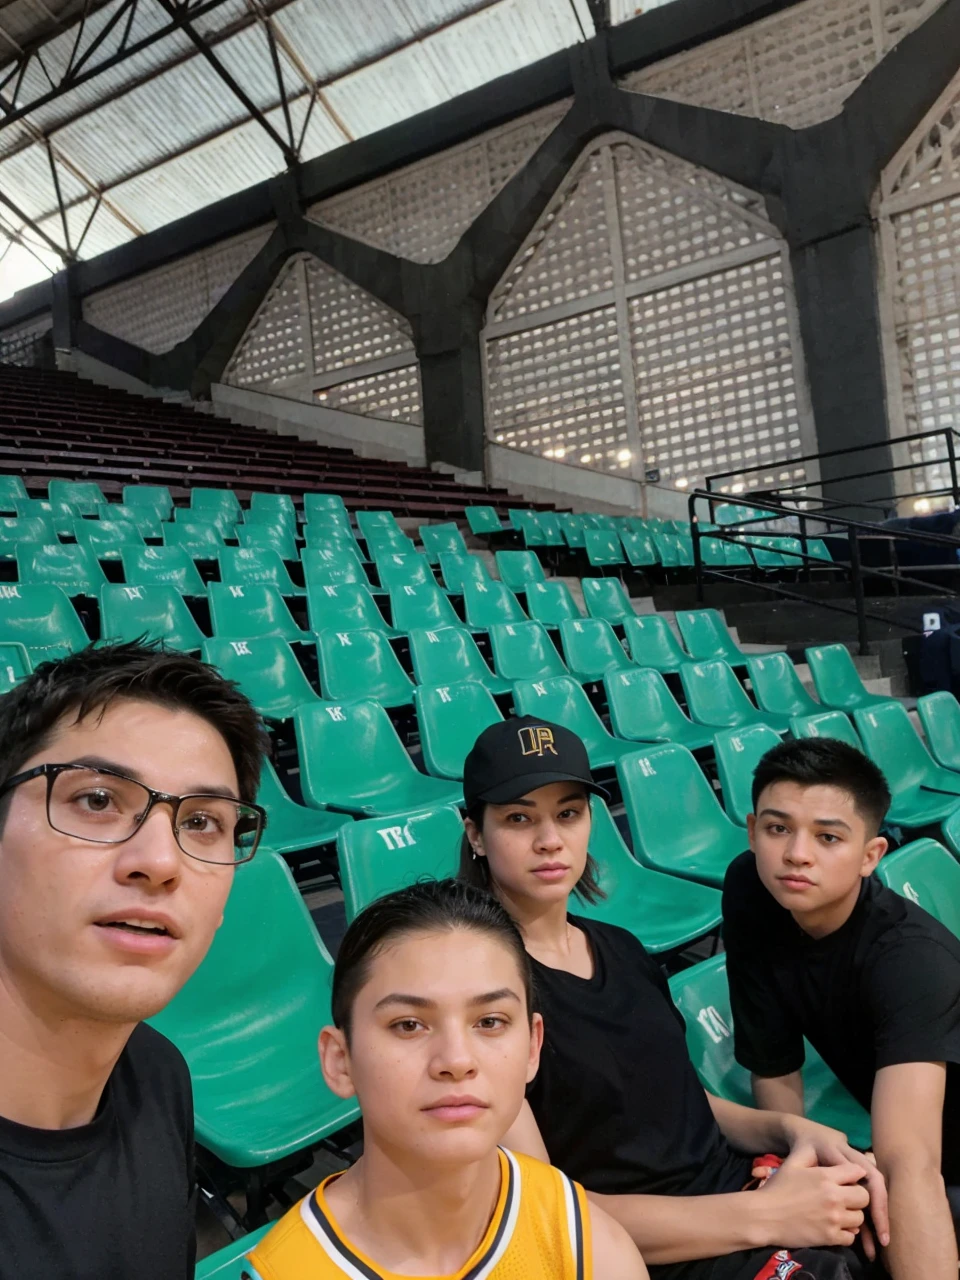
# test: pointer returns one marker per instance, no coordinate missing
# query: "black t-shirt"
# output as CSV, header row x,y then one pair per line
x,y
114,1199
883,989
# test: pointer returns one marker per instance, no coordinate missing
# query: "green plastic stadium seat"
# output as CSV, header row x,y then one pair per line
x,y
639,549
291,827
923,792
764,555
241,613
24,529
145,519
561,700
591,649
222,520
449,656
574,530
603,548
277,508
266,671
524,651
777,687
817,548
737,556
84,495
705,636
528,525
156,613
667,547
334,537
352,759
487,604
361,664
381,855
326,566
253,566
422,608
247,1024
517,569
551,603
457,569
658,783
372,522
348,607
104,538
12,490
663,911
702,996
220,502
643,709
228,1263
837,681
484,521
716,697
155,496
74,568
653,644
711,553
826,724
15,664
316,503
405,570
551,529
61,516
202,541
162,567
451,716
940,717
928,875
442,539
42,619
269,537
605,598
383,543
738,753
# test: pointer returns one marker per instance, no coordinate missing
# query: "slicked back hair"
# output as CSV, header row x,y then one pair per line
x,y
826,762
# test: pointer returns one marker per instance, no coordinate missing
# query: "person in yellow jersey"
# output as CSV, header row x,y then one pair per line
x,y
436,1034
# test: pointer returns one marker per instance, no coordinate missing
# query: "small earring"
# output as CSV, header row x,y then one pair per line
x,y
474,855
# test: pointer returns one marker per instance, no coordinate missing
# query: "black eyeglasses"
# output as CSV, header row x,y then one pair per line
x,y
106,807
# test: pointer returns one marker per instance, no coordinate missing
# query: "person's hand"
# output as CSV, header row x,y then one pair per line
x,y
832,1149
806,1205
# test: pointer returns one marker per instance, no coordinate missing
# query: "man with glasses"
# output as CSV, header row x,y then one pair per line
x,y
127,785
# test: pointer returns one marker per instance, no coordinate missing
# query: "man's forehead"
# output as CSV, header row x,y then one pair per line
x,y
821,796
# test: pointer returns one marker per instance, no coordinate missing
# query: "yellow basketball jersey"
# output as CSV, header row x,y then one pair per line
x,y
540,1230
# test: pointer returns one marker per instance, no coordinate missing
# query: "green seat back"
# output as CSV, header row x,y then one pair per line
x,y
292,827
334,537
85,496
381,855
716,697
560,700
347,607
817,548
667,547
441,539
458,569
551,529
487,604
266,671
663,911
361,664
790,549
211,503
483,520
383,543
702,996
146,520
777,687
61,516
705,635
711,552
155,496
269,537
277,508
591,648
737,556
247,1024
524,651
42,619
332,566
660,782
449,656
518,568
371,522
891,742
836,678
162,567
151,612
15,664
424,607
451,717
315,504
940,717
738,752
551,603
928,875
104,538
603,548
240,613
12,489
252,566
574,530
643,709
202,540
74,568
605,598
639,548
22,529
653,644
402,570
826,724
223,521
228,1263
764,556
352,759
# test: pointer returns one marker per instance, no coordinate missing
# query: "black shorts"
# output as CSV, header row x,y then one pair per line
x,y
953,1196
773,1264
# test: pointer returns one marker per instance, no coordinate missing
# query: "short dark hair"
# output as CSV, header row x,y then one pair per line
x,y
826,762
90,680
476,871
425,907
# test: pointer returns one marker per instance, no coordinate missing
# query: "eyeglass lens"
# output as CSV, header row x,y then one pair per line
x,y
96,806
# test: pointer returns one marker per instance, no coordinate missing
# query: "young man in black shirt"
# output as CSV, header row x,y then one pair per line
x,y
127,777
818,947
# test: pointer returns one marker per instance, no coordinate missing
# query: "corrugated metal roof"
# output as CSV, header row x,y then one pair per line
x,y
161,135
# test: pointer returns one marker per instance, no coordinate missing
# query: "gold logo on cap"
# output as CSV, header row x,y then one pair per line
x,y
536,739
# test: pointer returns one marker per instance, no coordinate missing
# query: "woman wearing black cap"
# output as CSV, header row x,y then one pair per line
x,y
616,1103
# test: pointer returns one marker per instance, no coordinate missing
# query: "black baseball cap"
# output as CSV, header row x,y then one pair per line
x,y
515,756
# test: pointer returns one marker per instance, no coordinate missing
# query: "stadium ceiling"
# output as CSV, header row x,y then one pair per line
x,y
120,116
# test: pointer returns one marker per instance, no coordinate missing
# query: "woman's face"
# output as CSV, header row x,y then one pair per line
x,y
536,847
